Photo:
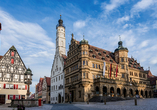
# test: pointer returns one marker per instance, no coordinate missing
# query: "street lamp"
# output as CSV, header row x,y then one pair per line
x,y
28,80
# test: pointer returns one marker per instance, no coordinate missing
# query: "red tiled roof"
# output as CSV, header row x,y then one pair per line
x,y
1,57
133,64
48,81
149,74
64,58
101,53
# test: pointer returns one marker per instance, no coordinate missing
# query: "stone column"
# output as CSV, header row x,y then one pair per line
x,y
115,92
139,93
108,91
121,92
127,92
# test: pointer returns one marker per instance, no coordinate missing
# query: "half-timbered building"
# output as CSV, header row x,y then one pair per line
x,y
12,70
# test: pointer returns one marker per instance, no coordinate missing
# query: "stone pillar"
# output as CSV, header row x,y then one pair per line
x,y
115,92
121,92
139,93
127,92
108,91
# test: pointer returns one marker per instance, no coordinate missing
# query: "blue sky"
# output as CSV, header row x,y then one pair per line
x,y
30,26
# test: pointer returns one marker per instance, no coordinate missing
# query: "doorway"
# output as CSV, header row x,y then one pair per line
x,y
2,99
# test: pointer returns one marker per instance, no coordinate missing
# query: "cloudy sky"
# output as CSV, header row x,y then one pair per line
x,y
30,26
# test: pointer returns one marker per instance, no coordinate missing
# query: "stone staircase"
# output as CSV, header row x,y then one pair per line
x,y
108,99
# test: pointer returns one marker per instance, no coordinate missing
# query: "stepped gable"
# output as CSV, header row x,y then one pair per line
x,y
101,54
48,80
133,64
64,58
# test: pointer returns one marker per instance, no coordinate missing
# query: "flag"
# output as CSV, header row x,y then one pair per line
x,y
104,69
116,70
0,27
110,69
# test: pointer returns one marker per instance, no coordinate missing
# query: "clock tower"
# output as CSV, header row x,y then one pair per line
x,y
60,38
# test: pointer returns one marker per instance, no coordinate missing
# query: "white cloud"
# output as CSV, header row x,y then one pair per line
x,y
31,42
155,25
121,20
113,5
79,24
46,19
142,5
144,44
125,26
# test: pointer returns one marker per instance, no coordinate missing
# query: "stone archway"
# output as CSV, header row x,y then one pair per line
x,y
97,90
136,92
112,91
118,91
150,94
104,90
131,92
124,92
142,93
146,94
59,98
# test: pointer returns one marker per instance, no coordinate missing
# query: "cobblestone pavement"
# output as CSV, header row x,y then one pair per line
x,y
142,104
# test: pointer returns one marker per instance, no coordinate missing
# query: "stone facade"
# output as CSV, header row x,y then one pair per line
x,y
84,77
12,71
57,73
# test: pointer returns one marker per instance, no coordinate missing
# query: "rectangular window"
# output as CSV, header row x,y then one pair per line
x,y
93,76
61,76
84,75
86,62
123,75
23,87
83,52
7,86
16,76
99,66
93,65
10,97
122,59
19,87
83,62
17,97
21,76
0,86
0,74
96,66
56,87
122,66
56,79
11,86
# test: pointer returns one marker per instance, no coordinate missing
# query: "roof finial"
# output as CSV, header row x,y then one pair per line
x,y
60,16
72,35
83,35
119,38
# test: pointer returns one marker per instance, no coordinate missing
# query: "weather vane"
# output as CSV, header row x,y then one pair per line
x,y
119,38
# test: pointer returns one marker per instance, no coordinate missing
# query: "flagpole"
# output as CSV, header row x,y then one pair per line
x,y
0,37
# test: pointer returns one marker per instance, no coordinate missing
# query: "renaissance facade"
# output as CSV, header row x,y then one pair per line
x,y
86,76
12,71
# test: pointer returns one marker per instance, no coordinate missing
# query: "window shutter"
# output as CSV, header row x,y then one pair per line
x,y
19,96
8,96
12,53
13,96
17,86
14,86
4,86
12,61
25,87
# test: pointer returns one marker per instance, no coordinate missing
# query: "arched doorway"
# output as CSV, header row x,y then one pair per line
x,y
146,94
118,91
142,93
104,90
136,92
150,94
59,98
97,90
124,92
131,92
112,91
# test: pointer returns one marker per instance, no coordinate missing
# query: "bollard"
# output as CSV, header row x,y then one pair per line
x,y
88,102
105,102
135,101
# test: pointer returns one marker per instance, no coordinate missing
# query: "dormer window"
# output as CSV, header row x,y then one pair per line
x,y
99,53
94,55
104,52
90,50
111,60
107,56
103,58
96,49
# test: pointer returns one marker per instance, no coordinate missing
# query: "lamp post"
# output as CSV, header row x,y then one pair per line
x,y
28,80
